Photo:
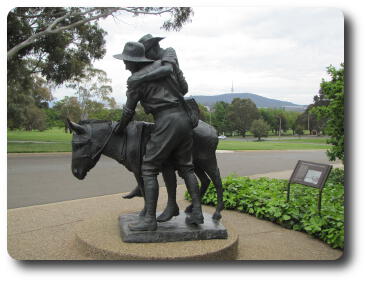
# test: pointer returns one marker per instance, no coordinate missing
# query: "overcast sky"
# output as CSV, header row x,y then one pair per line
x,y
279,53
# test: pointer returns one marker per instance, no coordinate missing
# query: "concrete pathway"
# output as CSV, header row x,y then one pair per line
x,y
46,232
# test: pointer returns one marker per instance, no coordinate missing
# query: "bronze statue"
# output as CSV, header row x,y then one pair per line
x,y
170,64
171,136
147,149
92,138
170,67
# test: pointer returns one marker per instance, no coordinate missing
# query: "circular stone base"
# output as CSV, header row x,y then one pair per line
x,y
100,238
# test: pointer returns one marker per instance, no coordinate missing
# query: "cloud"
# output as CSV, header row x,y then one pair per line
x,y
276,52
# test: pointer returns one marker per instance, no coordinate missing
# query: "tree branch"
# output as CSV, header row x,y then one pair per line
x,y
52,29
49,29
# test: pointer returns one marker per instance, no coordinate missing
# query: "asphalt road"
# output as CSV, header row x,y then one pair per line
x,y
46,178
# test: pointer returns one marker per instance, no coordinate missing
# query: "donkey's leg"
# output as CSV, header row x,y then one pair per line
x,y
170,179
204,181
213,171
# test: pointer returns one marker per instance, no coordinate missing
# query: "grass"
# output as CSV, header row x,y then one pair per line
x,y
271,145
301,140
51,135
38,147
62,142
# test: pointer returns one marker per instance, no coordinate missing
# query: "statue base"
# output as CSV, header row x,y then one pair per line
x,y
99,238
174,230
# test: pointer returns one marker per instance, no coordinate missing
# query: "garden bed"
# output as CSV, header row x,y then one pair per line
x,y
266,199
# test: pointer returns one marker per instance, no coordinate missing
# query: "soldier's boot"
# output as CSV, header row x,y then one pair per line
x,y
148,222
196,216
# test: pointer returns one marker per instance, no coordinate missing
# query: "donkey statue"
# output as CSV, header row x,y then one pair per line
x,y
92,138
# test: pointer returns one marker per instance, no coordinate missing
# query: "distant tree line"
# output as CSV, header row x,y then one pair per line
x,y
239,116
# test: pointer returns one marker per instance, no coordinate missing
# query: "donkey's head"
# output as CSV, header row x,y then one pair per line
x,y
87,143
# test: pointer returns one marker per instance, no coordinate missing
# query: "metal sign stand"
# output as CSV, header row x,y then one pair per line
x,y
310,174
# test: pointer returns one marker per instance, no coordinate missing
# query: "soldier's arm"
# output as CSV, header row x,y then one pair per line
x,y
128,110
154,71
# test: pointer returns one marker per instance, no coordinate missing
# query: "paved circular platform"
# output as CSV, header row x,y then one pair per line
x,y
99,238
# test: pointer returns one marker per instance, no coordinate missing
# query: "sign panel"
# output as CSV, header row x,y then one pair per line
x,y
310,174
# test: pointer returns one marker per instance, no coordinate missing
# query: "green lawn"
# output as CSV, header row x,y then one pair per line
x,y
63,141
38,147
54,134
301,140
271,145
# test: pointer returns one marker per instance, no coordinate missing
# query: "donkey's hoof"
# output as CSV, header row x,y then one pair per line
x,y
217,216
195,218
188,209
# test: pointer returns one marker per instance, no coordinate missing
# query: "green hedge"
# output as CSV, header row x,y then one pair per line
x,y
266,199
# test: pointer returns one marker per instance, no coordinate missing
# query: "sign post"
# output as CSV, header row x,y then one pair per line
x,y
310,174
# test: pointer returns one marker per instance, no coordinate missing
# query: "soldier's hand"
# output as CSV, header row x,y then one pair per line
x,y
118,130
133,82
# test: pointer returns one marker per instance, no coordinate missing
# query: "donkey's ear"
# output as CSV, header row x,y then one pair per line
x,y
76,128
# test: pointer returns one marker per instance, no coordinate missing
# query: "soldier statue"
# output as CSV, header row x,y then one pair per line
x,y
155,83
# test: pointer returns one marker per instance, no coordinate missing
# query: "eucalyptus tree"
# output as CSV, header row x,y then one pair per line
x,y
58,44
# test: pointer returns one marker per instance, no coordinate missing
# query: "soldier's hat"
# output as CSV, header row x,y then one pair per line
x,y
133,52
148,40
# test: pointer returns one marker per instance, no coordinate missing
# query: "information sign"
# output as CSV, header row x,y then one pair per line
x,y
310,174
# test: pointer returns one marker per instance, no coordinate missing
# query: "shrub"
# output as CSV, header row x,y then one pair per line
x,y
266,199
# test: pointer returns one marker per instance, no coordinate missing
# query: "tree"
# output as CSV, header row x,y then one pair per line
x,y
92,86
241,114
291,118
299,131
309,120
140,114
220,116
53,118
260,129
23,94
276,118
332,92
58,44
33,25
35,119
68,107
204,114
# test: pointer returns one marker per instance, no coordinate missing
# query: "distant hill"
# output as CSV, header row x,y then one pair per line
x,y
260,101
